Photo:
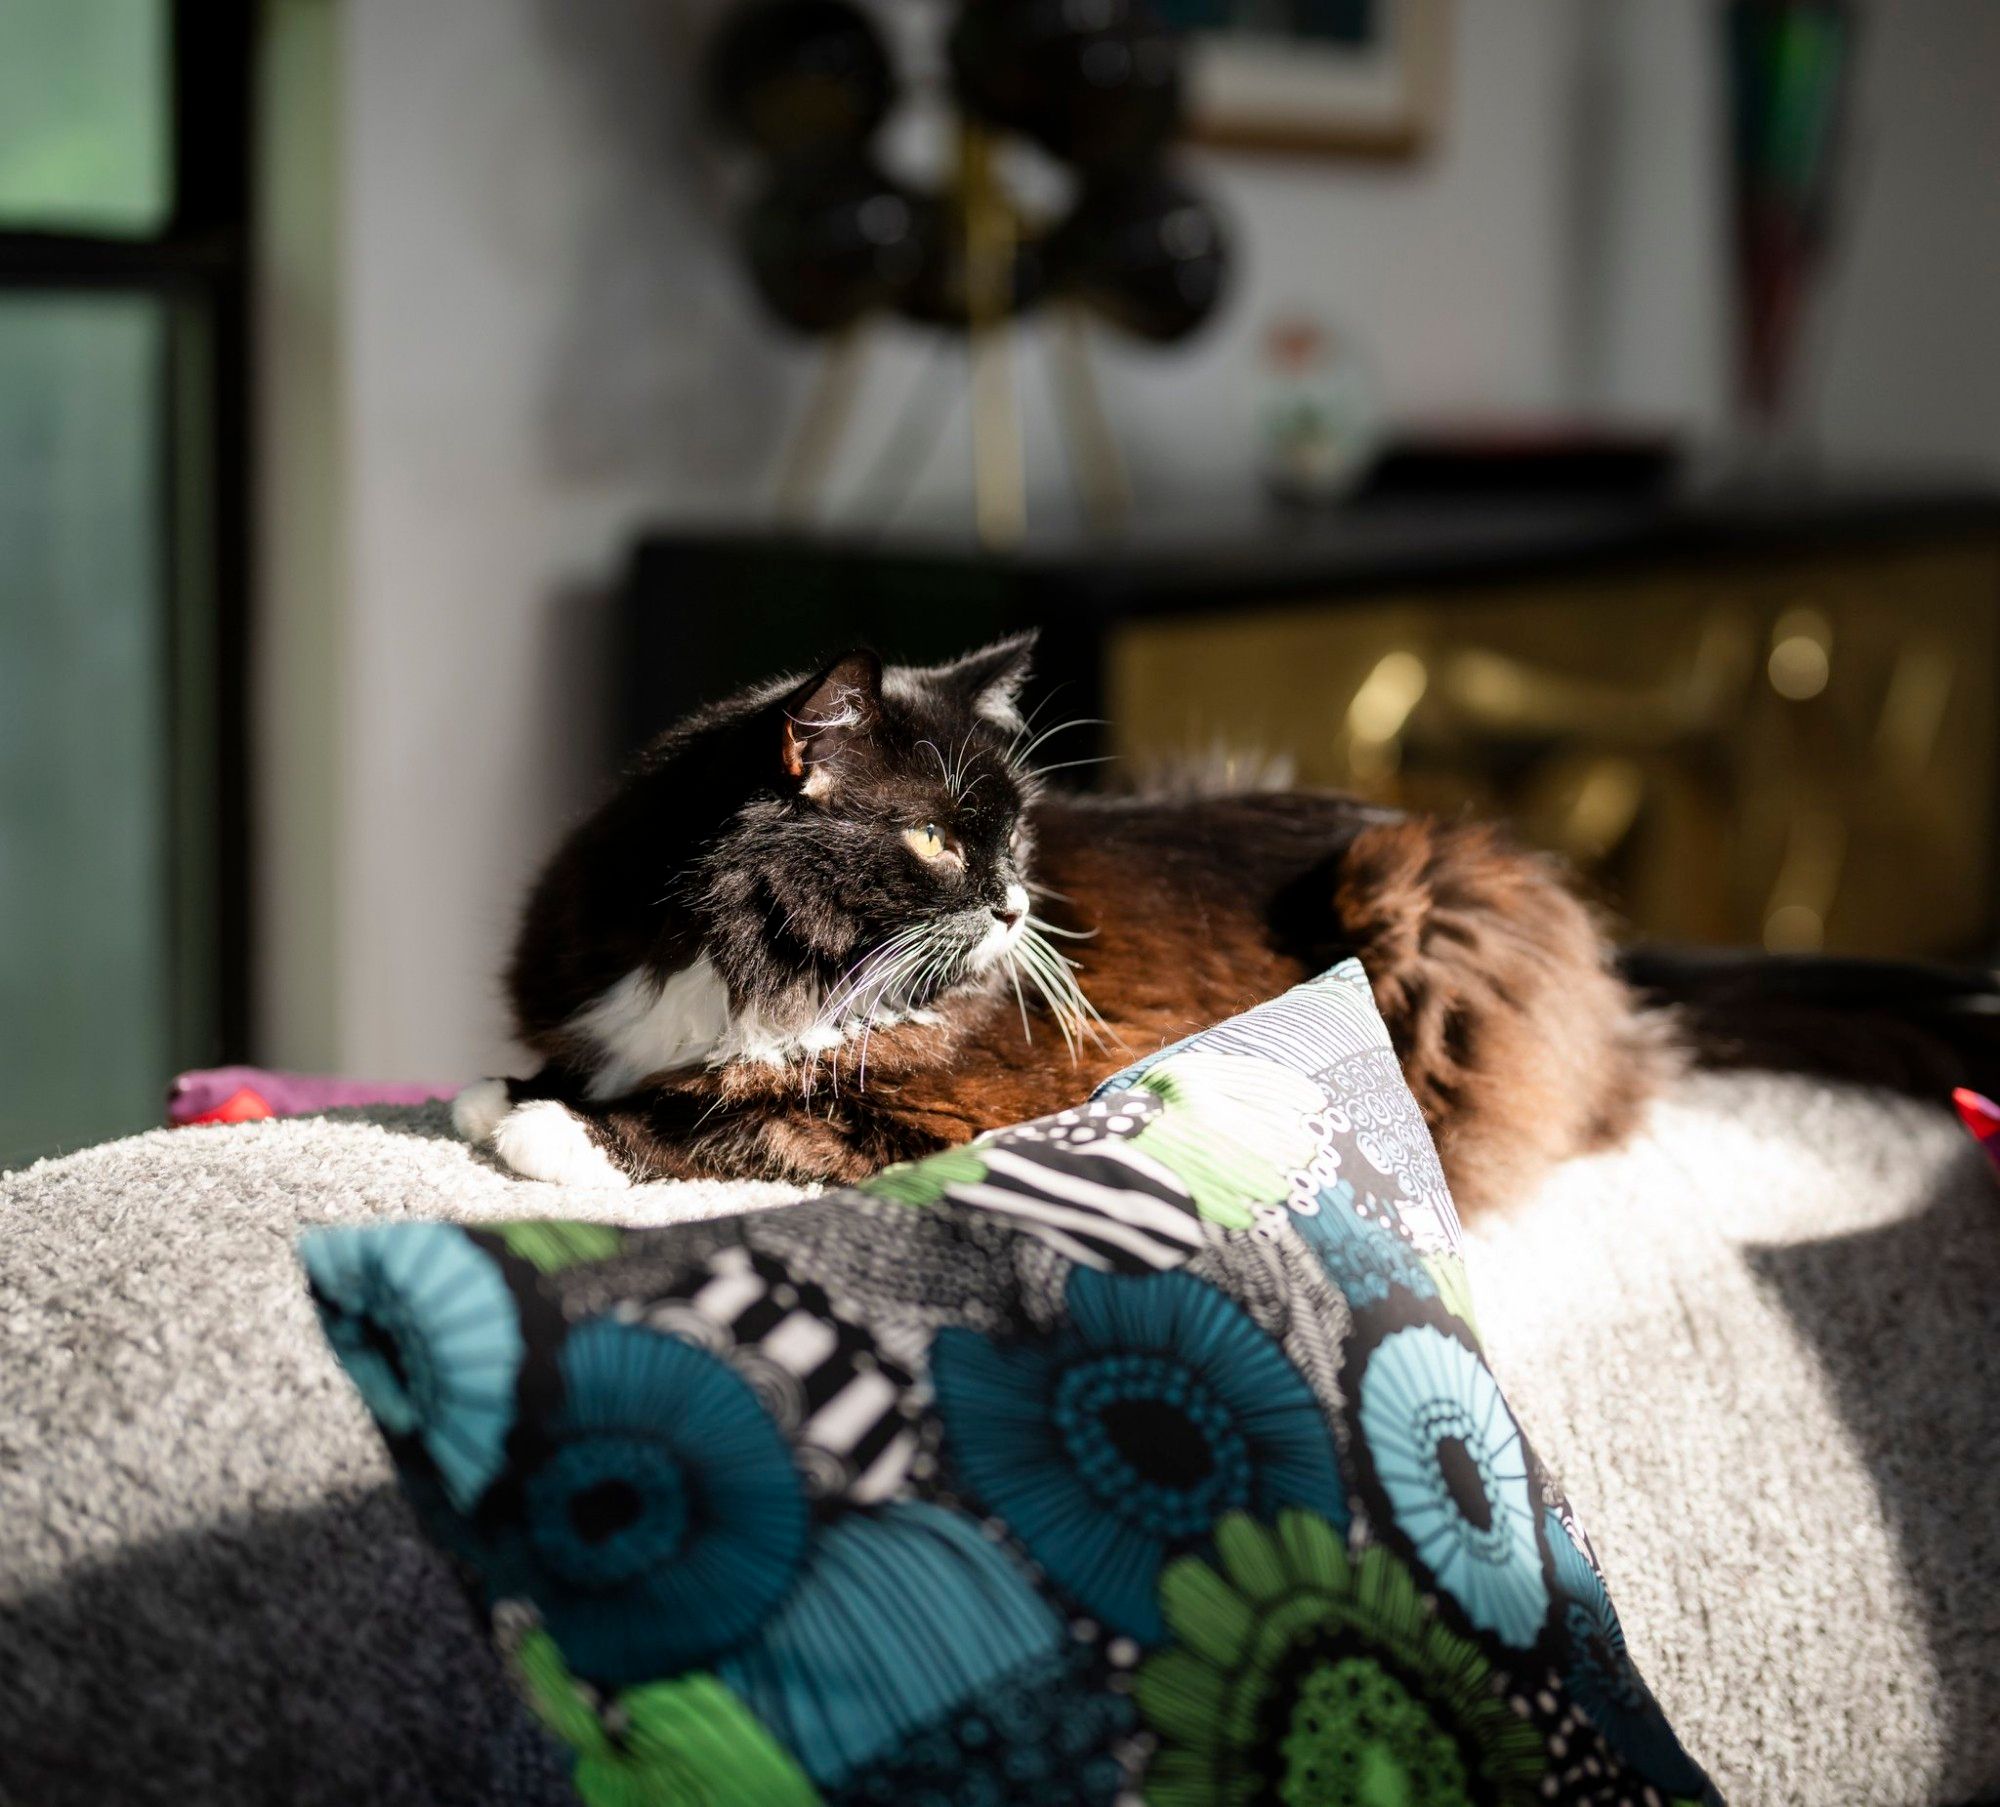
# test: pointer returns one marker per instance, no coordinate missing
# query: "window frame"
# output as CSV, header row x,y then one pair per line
x,y
198,265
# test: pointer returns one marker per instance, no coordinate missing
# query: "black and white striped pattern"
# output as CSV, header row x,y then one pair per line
x,y
1103,1204
1311,1028
849,1407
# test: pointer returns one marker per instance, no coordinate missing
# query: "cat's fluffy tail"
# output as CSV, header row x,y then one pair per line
x,y
1520,1042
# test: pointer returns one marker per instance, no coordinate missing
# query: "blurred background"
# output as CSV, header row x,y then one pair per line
x,y
1587,413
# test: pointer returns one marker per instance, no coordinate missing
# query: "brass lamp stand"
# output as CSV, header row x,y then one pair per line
x,y
989,226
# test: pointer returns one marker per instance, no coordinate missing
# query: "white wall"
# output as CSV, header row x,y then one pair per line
x,y
1903,362
1909,359
541,354
543,344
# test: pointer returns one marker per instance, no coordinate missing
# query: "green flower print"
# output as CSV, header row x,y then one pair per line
x,y
924,1182
1304,1676
551,1247
1235,1130
688,1742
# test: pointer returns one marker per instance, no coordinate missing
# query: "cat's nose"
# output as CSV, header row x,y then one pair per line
x,y
1012,907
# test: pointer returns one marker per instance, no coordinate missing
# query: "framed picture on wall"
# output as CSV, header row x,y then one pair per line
x,y
1341,77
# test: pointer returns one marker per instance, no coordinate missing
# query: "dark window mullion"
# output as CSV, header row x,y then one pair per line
x,y
211,120
210,228
62,260
196,686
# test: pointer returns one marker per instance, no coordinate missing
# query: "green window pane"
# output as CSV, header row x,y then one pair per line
x,y
86,983
85,116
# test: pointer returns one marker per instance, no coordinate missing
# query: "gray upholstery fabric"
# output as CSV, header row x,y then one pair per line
x,y
1762,1347
1761,1344
209,1589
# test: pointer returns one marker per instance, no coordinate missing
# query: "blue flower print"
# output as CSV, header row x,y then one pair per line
x,y
1451,1461
422,1320
664,1517
1364,1260
1118,1441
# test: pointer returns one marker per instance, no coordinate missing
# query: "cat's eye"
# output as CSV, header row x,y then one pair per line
x,y
927,842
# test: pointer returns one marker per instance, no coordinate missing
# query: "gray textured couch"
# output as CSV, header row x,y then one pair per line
x,y
1761,1344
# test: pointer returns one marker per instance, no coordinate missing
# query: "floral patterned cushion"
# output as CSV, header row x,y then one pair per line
x,y
1143,1453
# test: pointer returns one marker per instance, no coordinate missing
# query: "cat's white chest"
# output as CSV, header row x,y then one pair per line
x,y
643,1025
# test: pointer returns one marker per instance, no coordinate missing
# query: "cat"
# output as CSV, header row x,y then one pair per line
x,y
837,923
844,921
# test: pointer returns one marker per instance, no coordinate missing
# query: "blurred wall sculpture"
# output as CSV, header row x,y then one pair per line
x,y
832,238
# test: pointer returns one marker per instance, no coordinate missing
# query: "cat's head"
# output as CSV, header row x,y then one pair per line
x,y
884,855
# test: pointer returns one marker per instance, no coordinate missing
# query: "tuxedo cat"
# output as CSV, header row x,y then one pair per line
x,y
837,923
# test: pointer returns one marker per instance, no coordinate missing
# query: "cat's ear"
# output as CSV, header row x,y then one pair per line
x,y
991,679
826,713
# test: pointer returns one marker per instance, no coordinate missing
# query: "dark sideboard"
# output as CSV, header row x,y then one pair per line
x,y
1769,716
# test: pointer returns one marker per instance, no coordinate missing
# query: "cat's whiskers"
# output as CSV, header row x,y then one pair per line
x,y
899,973
944,766
1014,979
1053,975
1020,759
860,975
875,972
1027,726
928,979
896,978
1036,774
868,1021
1044,981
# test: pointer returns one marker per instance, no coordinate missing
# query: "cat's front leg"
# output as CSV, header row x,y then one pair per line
x,y
547,1128
533,1132
477,1110
541,1131
675,1133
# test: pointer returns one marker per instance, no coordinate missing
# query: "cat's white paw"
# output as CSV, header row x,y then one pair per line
x,y
476,1111
544,1140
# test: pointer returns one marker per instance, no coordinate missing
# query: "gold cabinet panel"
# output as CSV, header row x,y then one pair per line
x,y
1798,752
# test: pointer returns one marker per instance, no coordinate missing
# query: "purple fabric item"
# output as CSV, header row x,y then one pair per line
x,y
201,1094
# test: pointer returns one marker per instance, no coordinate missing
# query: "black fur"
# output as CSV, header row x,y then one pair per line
x,y
769,832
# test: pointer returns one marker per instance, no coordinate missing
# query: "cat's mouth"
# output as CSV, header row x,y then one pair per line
x,y
1003,934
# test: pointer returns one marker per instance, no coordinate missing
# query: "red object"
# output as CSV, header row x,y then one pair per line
x,y
241,1106
1980,1115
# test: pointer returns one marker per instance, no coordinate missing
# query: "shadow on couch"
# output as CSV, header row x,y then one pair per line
x,y
301,1657
1875,1306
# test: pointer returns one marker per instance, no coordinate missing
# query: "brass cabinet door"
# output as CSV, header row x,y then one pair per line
x,y
1800,753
